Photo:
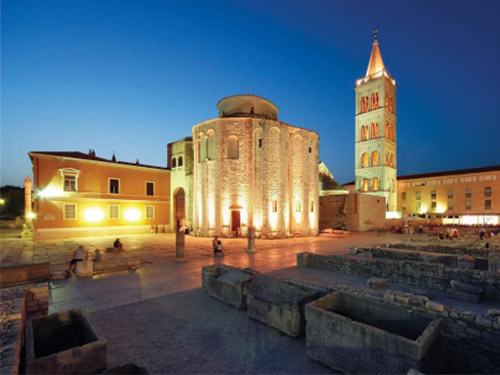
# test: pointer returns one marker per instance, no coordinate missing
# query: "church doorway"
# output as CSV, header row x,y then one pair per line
x,y
236,223
179,208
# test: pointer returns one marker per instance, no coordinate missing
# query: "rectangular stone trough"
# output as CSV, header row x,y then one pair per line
x,y
279,304
360,335
227,285
64,343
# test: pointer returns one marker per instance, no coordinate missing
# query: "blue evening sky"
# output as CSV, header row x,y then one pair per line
x,y
132,76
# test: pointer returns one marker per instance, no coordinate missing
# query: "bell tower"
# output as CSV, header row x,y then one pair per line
x,y
375,138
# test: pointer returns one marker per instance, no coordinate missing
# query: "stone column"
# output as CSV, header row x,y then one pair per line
x,y
251,240
27,199
179,246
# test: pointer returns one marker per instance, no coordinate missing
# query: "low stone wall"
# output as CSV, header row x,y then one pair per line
x,y
426,275
447,260
476,251
17,305
24,274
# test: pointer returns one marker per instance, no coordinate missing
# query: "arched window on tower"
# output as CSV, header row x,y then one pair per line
x,y
375,184
364,160
174,163
364,186
252,110
374,158
180,162
233,147
210,145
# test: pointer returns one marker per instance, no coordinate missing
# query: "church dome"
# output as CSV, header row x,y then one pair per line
x,y
247,106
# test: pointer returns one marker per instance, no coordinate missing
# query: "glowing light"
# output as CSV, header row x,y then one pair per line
x,y
393,215
312,220
257,221
2,201
132,214
49,192
423,210
93,214
31,215
441,209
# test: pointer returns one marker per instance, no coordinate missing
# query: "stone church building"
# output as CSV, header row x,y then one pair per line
x,y
246,168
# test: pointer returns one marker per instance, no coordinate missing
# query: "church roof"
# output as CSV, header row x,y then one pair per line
x,y
376,63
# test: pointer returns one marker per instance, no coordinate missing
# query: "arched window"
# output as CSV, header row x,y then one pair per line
x,y
233,147
363,133
210,145
364,187
373,130
174,162
364,160
374,158
179,163
375,184
252,110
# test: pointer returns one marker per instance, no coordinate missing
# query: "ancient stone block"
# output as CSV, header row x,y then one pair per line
x,y
376,282
463,296
429,305
360,335
494,261
493,312
228,287
24,274
64,343
278,303
465,287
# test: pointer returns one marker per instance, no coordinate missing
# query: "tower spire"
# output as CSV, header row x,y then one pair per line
x,y
376,63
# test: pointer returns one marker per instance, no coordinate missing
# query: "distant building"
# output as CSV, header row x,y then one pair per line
x,y
465,196
82,194
375,136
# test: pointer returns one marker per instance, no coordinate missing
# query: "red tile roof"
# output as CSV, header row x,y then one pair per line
x,y
81,155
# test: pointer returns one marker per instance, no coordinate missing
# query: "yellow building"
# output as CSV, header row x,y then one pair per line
x,y
82,194
466,196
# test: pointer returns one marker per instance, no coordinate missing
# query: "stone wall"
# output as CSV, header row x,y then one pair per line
x,y
427,275
17,305
357,212
445,248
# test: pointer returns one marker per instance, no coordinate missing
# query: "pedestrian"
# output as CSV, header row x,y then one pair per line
x,y
79,255
482,233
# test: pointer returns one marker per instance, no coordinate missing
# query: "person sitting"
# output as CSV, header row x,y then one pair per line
x,y
218,249
97,256
79,255
118,245
214,243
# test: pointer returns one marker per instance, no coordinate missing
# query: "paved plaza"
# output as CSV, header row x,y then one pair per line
x,y
158,316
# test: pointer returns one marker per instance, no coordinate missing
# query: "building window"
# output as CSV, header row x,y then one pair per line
x,y
450,205
487,204
403,196
69,182
114,186
364,160
375,184
252,110
418,205
310,150
487,192
450,194
150,189
69,211
374,158
433,195
365,185
418,195
114,211
260,143
274,205
468,204
468,193
311,208
180,162
297,206
174,163
433,205
233,147
150,212
403,207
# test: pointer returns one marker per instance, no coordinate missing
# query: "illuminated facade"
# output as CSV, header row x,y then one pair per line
x,y
467,196
375,151
250,169
82,194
